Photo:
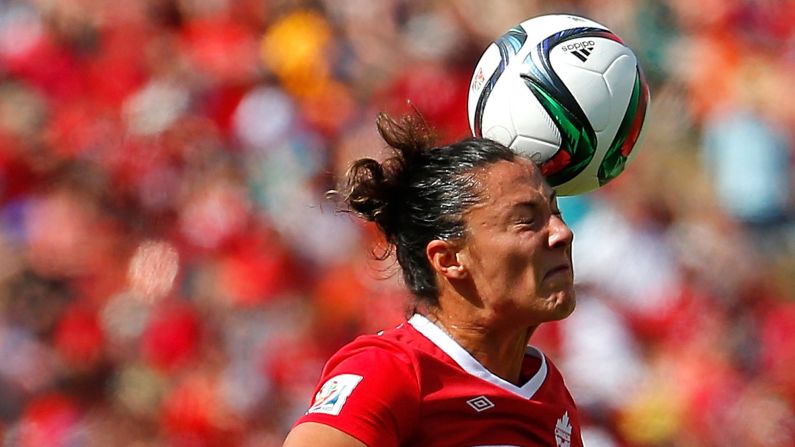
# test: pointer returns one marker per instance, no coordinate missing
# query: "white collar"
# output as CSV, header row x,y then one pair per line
x,y
468,363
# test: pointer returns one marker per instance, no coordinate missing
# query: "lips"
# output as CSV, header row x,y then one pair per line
x,y
558,270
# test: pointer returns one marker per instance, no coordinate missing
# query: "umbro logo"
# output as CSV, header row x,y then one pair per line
x,y
580,49
480,403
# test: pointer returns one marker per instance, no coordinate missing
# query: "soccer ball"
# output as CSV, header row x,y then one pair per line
x,y
566,92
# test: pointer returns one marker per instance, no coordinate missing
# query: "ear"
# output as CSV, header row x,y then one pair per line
x,y
443,256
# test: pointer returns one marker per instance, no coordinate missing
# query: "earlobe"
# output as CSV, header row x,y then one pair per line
x,y
457,272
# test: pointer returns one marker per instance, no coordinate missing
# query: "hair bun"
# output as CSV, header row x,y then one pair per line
x,y
368,190
373,189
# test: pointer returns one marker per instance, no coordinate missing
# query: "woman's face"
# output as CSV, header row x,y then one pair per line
x,y
518,249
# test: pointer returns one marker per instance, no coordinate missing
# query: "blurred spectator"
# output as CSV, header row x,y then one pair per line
x,y
745,140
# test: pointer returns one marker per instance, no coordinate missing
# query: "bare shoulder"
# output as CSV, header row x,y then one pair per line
x,y
312,434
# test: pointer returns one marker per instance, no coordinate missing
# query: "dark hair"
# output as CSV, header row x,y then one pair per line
x,y
418,194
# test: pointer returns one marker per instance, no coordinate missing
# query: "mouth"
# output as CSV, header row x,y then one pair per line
x,y
563,269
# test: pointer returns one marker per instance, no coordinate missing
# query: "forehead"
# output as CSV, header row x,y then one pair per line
x,y
505,184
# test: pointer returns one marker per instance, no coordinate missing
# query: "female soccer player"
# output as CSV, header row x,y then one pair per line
x,y
482,247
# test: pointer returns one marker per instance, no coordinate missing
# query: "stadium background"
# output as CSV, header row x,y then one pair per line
x,y
170,274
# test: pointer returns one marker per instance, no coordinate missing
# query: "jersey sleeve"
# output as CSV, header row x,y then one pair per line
x,y
369,391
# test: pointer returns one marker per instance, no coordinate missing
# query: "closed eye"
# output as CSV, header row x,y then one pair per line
x,y
524,223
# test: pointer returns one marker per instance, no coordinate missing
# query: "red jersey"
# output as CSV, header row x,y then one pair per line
x,y
415,386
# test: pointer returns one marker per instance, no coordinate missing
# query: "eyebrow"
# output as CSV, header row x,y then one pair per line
x,y
536,203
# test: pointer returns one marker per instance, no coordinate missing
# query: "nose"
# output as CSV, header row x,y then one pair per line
x,y
559,233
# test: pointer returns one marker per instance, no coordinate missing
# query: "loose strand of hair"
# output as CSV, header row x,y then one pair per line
x,y
410,134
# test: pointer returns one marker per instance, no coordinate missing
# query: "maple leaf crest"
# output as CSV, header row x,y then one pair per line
x,y
563,431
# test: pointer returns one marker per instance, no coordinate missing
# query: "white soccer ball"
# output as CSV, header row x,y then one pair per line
x,y
566,92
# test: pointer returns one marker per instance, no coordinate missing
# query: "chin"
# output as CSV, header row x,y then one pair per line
x,y
565,302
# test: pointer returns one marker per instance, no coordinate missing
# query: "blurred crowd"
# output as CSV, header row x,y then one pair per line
x,y
172,275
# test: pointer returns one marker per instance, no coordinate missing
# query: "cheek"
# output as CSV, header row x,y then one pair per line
x,y
517,272
521,257
505,267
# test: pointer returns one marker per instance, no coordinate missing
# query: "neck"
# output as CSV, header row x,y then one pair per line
x,y
500,350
